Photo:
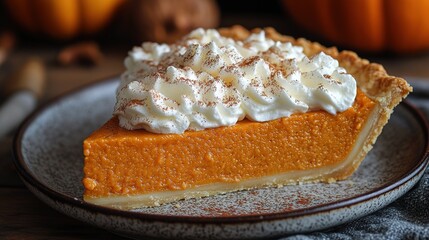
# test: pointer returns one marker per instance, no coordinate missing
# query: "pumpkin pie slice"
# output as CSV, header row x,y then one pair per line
x,y
137,168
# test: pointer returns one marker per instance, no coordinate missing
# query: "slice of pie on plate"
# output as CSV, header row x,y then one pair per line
x,y
140,168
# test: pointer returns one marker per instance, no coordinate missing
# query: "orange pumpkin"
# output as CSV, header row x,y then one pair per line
x,y
62,19
400,26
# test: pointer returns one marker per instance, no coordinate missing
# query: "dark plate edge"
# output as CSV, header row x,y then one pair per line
x,y
27,176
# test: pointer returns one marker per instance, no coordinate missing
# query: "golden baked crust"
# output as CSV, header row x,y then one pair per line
x,y
372,78
388,91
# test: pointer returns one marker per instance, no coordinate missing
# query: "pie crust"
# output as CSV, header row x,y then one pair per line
x,y
131,169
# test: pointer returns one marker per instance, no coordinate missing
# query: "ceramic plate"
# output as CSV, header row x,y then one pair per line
x,y
48,156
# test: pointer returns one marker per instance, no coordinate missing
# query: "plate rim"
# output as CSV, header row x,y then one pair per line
x,y
422,161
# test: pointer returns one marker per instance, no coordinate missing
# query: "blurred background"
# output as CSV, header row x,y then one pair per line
x,y
81,41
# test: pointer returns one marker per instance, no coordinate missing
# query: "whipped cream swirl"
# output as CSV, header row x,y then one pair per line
x,y
207,80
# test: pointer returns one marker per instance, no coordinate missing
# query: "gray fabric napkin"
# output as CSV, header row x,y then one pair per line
x,y
407,217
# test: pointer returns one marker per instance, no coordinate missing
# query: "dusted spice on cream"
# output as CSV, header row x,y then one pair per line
x,y
206,81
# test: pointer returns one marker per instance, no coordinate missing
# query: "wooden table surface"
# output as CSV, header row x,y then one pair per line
x,y
22,215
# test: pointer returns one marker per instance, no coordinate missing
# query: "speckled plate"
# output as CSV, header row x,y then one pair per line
x,y
48,156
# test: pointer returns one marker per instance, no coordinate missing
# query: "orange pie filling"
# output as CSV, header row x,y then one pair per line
x,y
131,168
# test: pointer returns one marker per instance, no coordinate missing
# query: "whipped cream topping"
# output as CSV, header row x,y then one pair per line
x,y
207,80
